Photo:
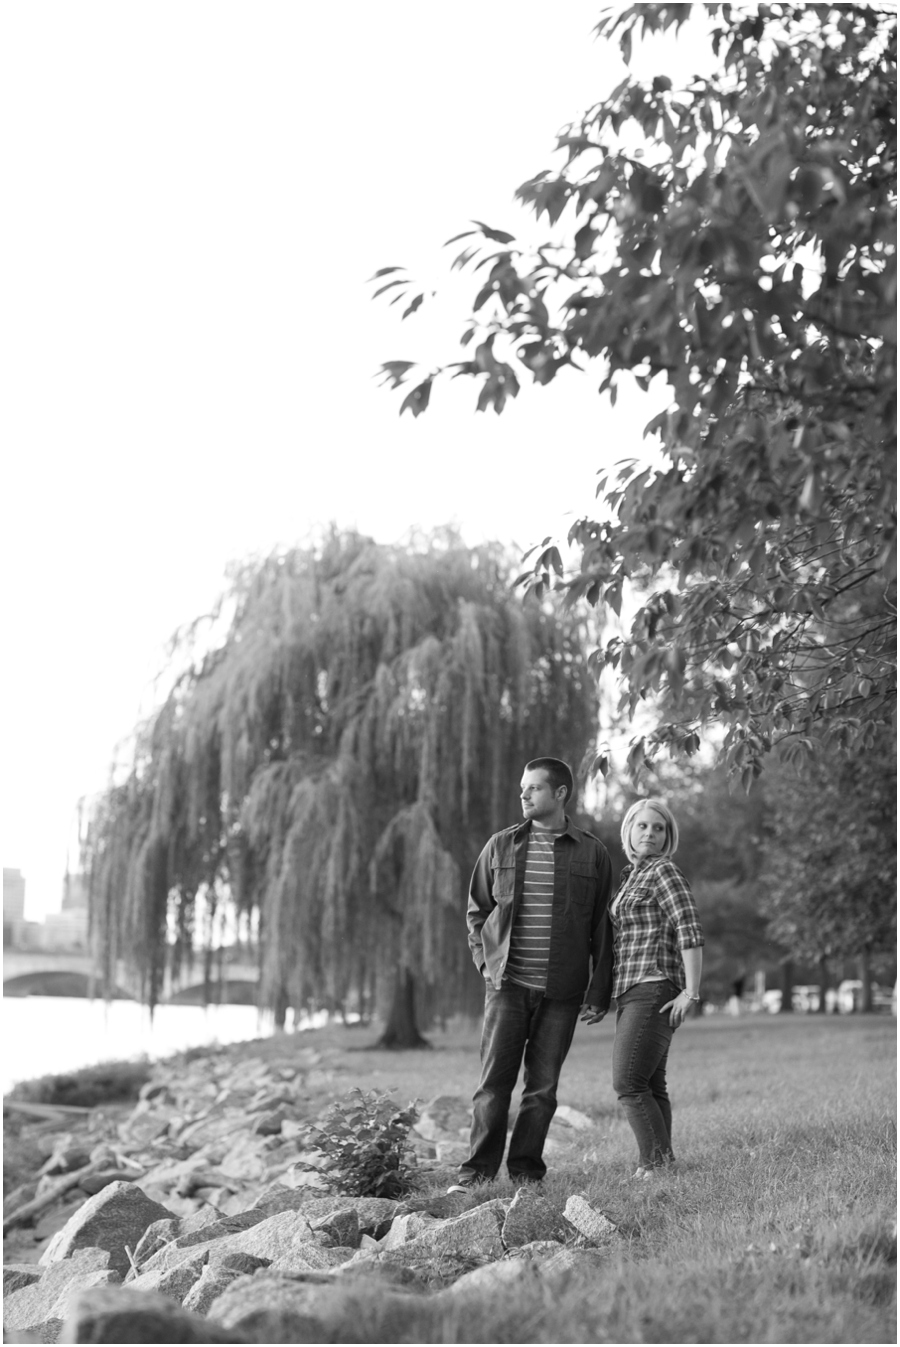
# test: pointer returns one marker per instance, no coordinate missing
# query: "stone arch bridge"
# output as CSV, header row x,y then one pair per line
x,y
74,973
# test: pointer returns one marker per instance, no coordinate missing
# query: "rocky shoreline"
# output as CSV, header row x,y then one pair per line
x,y
198,1216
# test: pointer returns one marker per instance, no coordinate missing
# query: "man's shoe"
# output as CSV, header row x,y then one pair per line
x,y
465,1182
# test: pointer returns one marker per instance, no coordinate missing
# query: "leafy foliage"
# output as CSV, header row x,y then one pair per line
x,y
830,880
364,1140
733,239
722,852
330,767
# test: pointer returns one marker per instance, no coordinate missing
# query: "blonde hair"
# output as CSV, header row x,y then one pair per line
x,y
665,813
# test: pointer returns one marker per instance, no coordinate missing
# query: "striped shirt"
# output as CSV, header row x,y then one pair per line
x,y
654,918
529,942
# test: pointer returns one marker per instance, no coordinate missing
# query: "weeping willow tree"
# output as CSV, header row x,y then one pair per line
x,y
329,770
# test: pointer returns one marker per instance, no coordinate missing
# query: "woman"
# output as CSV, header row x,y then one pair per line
x,y
657,941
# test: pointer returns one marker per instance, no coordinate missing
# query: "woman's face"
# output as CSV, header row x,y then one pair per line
x,y
648,833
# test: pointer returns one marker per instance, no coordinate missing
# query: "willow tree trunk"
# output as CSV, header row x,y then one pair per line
x,y
401,1030
280,1009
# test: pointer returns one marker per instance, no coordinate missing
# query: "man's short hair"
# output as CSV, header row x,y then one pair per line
x,y
559,773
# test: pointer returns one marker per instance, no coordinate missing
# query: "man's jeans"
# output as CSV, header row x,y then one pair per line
x,y
641,1049
518,1021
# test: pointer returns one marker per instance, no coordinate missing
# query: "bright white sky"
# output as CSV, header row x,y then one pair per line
x,y
195,196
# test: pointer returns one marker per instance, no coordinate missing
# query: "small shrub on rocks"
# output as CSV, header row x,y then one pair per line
x,y
364,1142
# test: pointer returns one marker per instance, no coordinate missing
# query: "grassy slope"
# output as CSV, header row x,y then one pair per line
x,y
779,1225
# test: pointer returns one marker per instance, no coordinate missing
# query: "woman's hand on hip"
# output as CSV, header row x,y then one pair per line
x,y
678,1009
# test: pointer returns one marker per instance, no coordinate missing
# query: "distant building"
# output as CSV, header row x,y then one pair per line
x,y
13,905
24,935
74,894
65,930
13,895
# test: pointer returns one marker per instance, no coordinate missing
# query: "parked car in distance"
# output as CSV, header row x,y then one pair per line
x,y
843,999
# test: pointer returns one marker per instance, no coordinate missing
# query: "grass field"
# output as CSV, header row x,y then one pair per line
x,y
779,1224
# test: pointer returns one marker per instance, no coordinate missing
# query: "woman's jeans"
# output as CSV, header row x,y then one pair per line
x,y
518,1021
639,1067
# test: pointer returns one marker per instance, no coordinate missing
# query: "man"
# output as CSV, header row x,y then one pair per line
x,y
537,933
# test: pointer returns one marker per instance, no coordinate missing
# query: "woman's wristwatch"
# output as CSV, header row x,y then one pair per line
x,y
689,997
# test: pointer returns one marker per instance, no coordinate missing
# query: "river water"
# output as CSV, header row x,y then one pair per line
x,y
46,1035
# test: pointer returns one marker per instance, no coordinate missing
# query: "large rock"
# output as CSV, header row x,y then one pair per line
x,y
118,1315
149,1122
249,1157
67,1154
270,1122
195,1230
592,1224
174,1283
342,1225
18,1196
494,1276
52,1220
169,1173
301,1173
282,1309
567,1116
216,1278
41,1307
373,1214
539,1250
158,1234
274,1237
407,1227
277,1236
451,1152
17,1275
225,1200
102,1178
269,1309
473,1235
115,1217
213,1126
569,1263
313,1258
445,1116
532,1217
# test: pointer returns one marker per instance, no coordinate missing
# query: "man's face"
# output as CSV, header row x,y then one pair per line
x,y
538,799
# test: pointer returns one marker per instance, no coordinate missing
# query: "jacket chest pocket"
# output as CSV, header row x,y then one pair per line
x,y
503,883
582,882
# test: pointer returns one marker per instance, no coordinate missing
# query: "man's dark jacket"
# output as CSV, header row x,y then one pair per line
x,y
581,957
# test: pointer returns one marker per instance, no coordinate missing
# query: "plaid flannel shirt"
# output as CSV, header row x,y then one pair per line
x,y
654,917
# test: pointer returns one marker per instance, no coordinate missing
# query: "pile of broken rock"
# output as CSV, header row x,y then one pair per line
x,y
201,1220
